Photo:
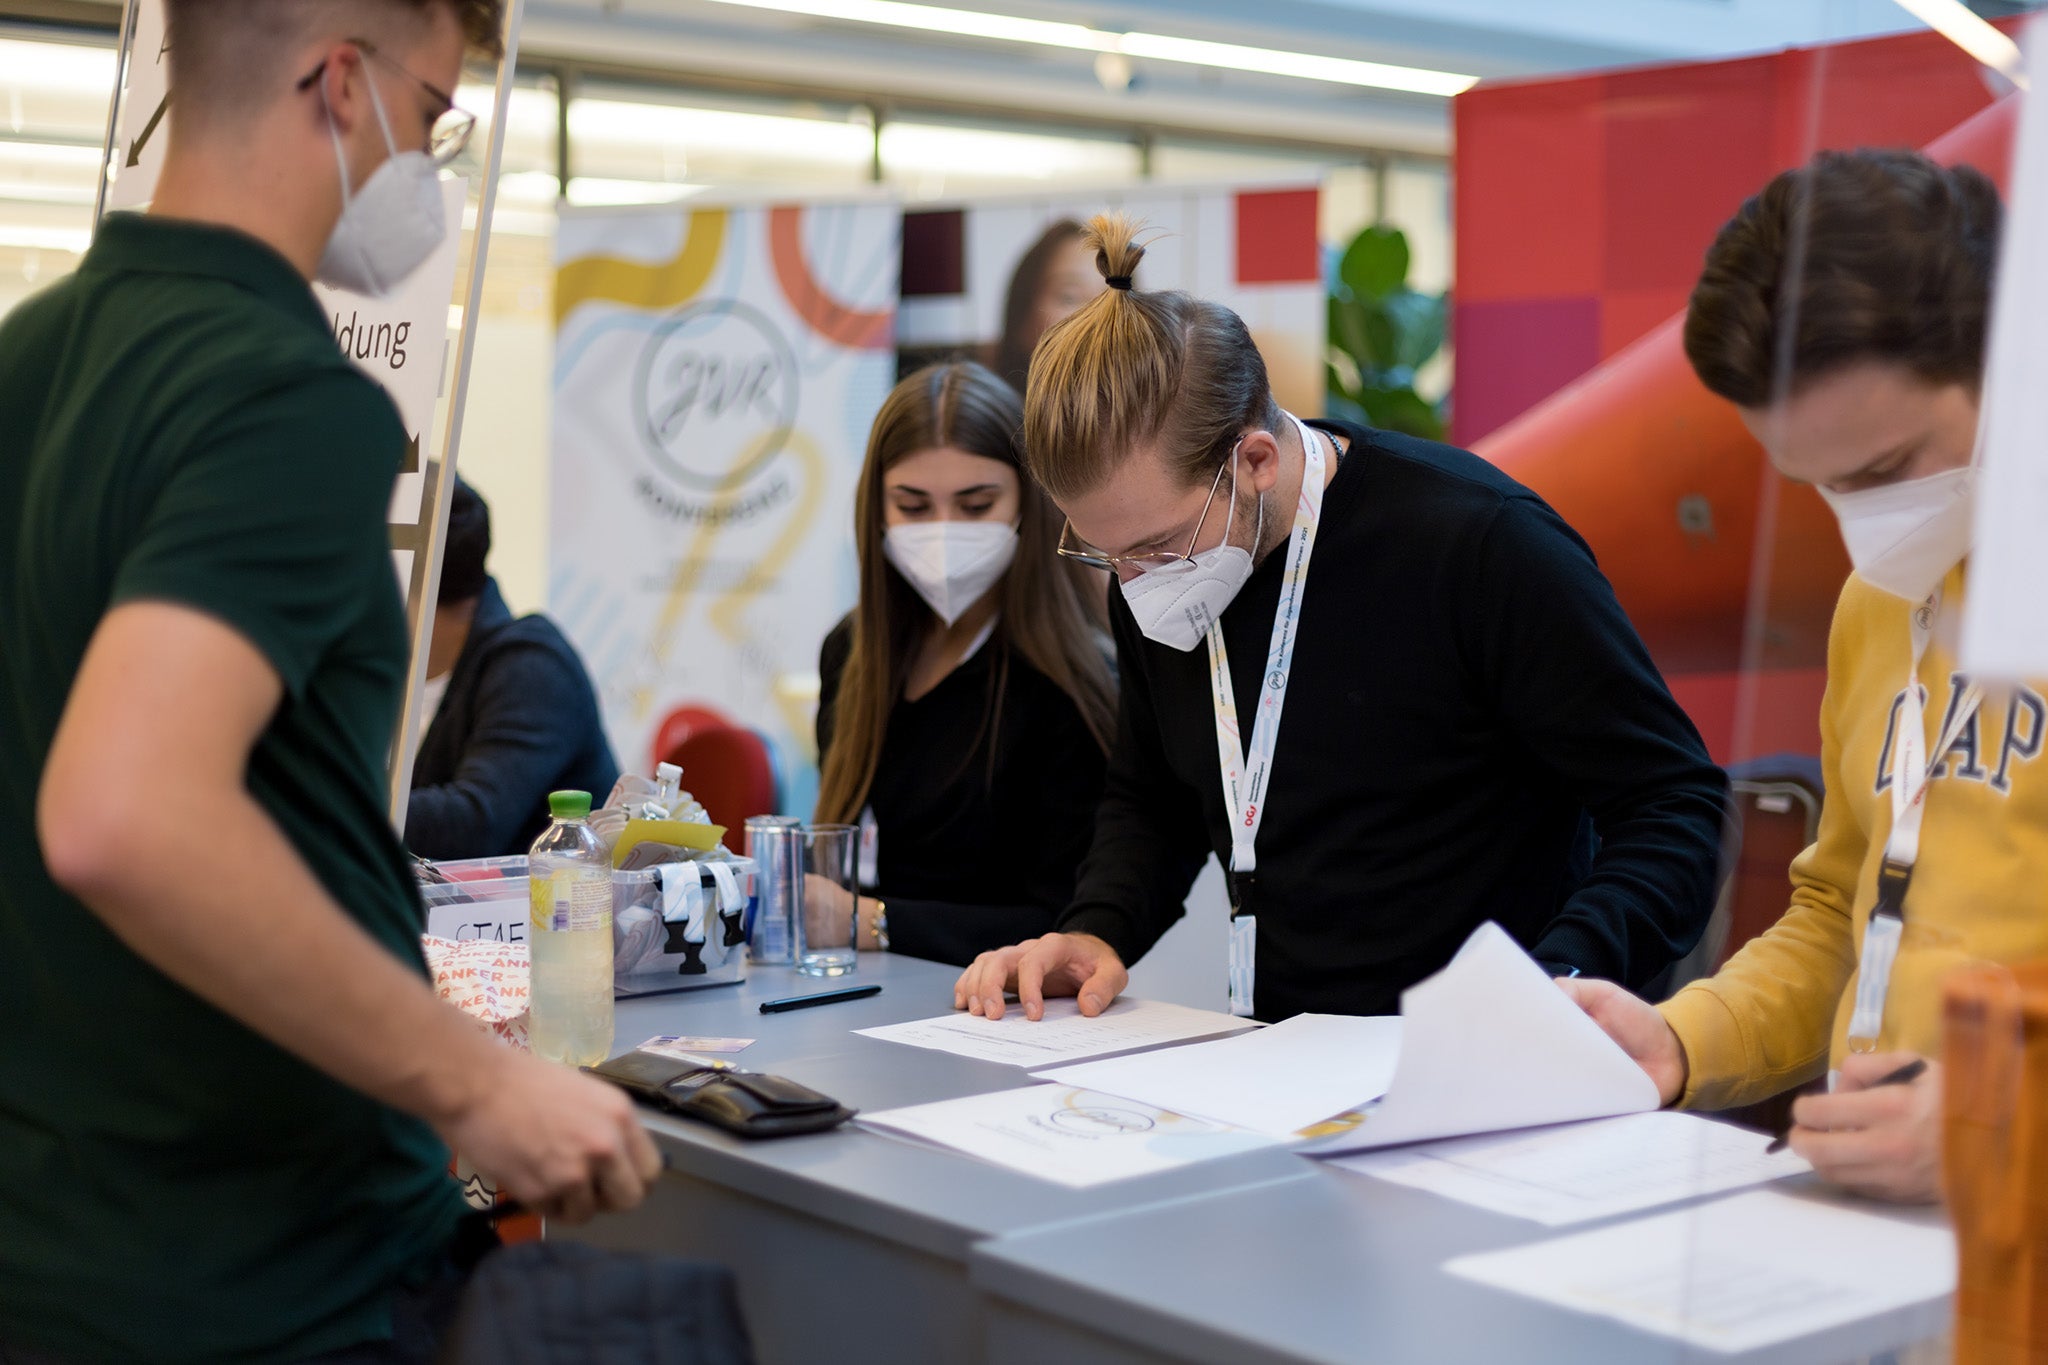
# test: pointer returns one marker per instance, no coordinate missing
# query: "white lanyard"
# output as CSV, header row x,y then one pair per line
x,y
1912,771
1245,773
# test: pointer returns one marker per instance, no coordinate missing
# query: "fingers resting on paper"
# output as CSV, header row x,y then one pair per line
x,y
1053,965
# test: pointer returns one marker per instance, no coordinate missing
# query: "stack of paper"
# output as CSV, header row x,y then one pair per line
x,y
1490,1043
1063,1035
1277,1080
1074,1137
1580,1171
1736,1274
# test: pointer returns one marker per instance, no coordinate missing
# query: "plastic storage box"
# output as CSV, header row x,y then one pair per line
x,y
490,898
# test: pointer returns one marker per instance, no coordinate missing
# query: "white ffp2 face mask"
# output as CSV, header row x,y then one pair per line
x,y
1176,603
392,224
951,563
1904,537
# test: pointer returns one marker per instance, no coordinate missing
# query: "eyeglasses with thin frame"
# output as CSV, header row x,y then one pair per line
x,y
452,126
1080,551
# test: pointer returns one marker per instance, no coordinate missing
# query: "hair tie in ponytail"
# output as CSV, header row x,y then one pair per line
x,y
1122,282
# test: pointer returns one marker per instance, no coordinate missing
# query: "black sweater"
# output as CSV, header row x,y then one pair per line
x,y
519,720
1465,691
964,862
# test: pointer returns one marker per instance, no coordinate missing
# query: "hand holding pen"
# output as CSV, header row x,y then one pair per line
x,y
1879,1132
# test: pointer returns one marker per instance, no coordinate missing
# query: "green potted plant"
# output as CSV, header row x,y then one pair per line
x,y
1381,333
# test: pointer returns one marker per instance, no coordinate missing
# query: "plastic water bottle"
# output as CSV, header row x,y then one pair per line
x,y
570,936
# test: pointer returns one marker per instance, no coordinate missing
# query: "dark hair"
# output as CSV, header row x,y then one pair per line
x,y
1140,367
1044,619
1014,347
468,545
231,54
1867,255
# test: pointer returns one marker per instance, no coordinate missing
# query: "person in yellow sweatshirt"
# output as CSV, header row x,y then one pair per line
x,y
1843,310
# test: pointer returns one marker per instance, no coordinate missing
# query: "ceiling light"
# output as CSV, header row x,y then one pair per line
x,y
601,125
64,155
63,68
1341,70
73,240
937,150
591,191
43,192
1159,46
1969,31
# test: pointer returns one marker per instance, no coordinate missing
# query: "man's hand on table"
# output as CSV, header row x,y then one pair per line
x,y
556,1140
1057,964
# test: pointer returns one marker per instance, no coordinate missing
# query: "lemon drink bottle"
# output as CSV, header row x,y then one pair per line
x,y
570,936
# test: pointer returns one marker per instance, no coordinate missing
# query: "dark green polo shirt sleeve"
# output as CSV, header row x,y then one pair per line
x,y
265,566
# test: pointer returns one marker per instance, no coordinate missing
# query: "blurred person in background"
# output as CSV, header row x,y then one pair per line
x,y
1844,312
966,703
1054,278
509,714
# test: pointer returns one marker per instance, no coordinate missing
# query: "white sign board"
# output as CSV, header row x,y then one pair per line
x,y
500,920
144,104
402,343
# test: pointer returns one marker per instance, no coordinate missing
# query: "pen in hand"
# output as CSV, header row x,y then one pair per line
x,y
1905,1075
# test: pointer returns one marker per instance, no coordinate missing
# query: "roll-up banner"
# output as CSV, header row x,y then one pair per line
x,y
716,369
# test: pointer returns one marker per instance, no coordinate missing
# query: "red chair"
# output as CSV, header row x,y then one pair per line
x,y
678,725
730,771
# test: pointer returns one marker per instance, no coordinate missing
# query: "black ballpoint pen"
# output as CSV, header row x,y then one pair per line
x,y
798,1002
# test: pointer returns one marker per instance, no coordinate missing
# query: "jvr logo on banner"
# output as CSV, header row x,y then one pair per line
x,y
715,373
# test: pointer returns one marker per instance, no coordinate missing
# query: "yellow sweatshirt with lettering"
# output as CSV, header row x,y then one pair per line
x,y
1778,1013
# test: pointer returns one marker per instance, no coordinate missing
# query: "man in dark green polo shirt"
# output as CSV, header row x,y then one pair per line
x,y
225,1083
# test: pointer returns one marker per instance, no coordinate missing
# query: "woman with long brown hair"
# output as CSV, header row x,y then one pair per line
x,y
966,703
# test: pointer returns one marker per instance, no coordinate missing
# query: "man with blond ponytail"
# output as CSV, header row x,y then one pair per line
x,y
1465,705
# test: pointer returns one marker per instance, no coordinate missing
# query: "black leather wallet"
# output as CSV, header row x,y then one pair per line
x,y
748,1103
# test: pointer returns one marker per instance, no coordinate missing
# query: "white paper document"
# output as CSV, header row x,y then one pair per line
x,y
1490,1043
1275,1080
1073,1137
1739,1273
1062,1035
1579,1171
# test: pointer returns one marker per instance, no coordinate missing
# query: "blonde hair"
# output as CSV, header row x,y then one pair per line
x,y
1044,619
1136,368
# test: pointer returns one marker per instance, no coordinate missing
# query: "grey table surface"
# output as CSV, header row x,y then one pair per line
x,y
1338,1267
1265,1258
919,1196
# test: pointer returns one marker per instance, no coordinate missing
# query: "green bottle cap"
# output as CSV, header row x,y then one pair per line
x,y
569,805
